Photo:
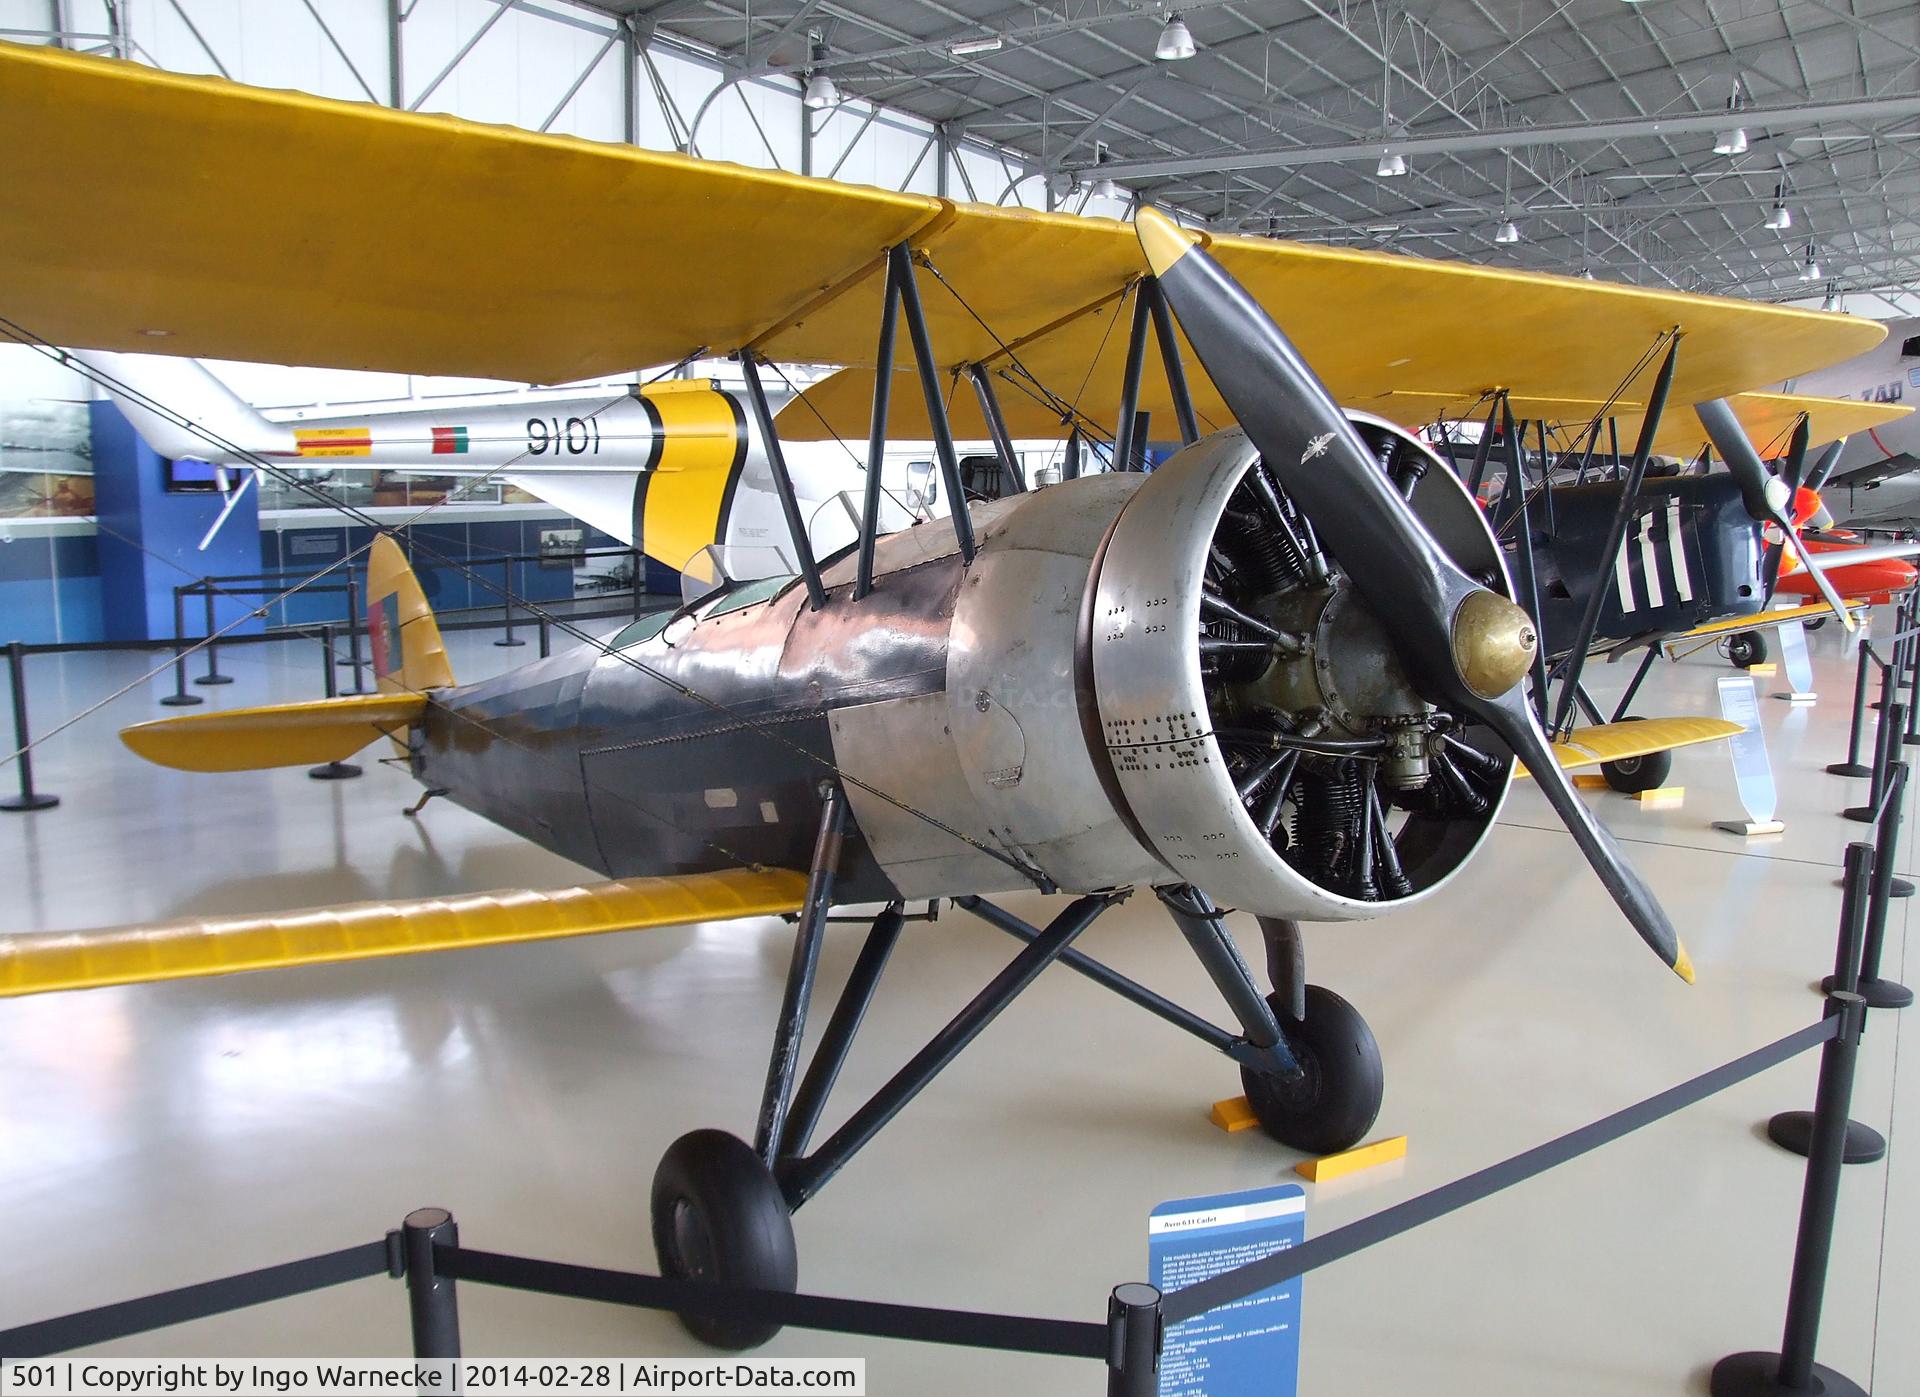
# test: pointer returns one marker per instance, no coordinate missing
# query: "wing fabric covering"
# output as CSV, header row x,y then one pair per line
x,y
395,240
285,734
1613,742
41,963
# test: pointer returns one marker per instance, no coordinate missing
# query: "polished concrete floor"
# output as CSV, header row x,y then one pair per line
x,y
159,1135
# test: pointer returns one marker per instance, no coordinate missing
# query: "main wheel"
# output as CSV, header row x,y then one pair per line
x,y
718,1216
1631,775
1333,1103
1747,649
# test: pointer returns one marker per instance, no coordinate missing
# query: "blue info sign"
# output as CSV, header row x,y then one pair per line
x,y
1250,1347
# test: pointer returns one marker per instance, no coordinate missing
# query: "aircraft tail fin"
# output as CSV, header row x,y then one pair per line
x,y
409,657
155,391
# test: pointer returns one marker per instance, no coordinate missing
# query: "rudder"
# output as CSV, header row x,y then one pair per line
x,y
408,653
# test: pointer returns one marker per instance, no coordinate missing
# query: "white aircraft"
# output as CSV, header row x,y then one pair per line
x,y
1877,477
677,467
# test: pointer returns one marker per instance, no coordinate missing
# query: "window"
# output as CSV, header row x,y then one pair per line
x,y
1911,349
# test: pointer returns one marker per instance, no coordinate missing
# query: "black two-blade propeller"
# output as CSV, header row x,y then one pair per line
x,y
1791,472
1461,644
1768,500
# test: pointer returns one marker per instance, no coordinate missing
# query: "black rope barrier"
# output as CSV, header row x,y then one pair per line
x,y
1257,1276
1062,1338
202,1301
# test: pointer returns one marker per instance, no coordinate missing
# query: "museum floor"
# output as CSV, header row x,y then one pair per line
x,y
164,1134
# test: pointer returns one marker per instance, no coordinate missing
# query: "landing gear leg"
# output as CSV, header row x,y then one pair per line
x,y
719,1213
1318,1084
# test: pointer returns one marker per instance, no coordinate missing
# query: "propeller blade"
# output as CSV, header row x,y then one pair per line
x,y
1461,644
1823,467
1793,469
1767,499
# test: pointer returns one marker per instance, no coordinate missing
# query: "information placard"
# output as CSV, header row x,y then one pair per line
x,y
1752,769
1798,664
1251,1346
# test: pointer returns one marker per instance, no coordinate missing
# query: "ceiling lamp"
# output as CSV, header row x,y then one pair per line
x,y
1104,188
1778,218
1508,232
821,92
1733,140
966,48
1176,41
1392,165
1810,269
1586,274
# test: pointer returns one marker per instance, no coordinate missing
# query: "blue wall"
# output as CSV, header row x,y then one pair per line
x,y
49,587
149,539
116,582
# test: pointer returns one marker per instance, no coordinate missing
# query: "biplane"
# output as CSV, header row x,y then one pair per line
x,y
1613,556
1282,673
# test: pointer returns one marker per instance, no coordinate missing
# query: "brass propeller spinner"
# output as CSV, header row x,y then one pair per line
x,y
1493,643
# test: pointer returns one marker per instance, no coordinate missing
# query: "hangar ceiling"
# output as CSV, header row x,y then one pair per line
x,y
1590,125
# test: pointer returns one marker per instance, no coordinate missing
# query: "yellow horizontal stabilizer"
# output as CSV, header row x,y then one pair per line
x,y
41,963
284,734
1758,621
1613,742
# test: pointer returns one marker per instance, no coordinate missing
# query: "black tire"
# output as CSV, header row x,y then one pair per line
x,y
1813,623
1631,775
1747,649
719,1216
1337,1101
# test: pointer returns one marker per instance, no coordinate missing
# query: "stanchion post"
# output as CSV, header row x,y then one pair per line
x,y
326,663
1884,736
180,698
1133,1340
1793,1369
431,1299
213,674
546,639
354,621
1911,736
29,798
506,603
1879,993
1798,1131
333,770
1851,766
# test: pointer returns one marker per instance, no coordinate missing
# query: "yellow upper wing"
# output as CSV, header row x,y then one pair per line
x,y
149,211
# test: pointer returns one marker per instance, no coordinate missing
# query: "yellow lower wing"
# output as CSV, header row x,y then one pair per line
x,y
40,963
1756,621
284,734
1613,742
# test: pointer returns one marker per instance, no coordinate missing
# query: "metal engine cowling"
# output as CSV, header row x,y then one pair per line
x,y
1260,736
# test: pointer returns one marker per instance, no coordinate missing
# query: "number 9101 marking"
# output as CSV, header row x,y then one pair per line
x,y
579,436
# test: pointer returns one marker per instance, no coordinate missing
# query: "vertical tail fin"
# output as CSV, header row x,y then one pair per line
x,y
187,390
408,654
